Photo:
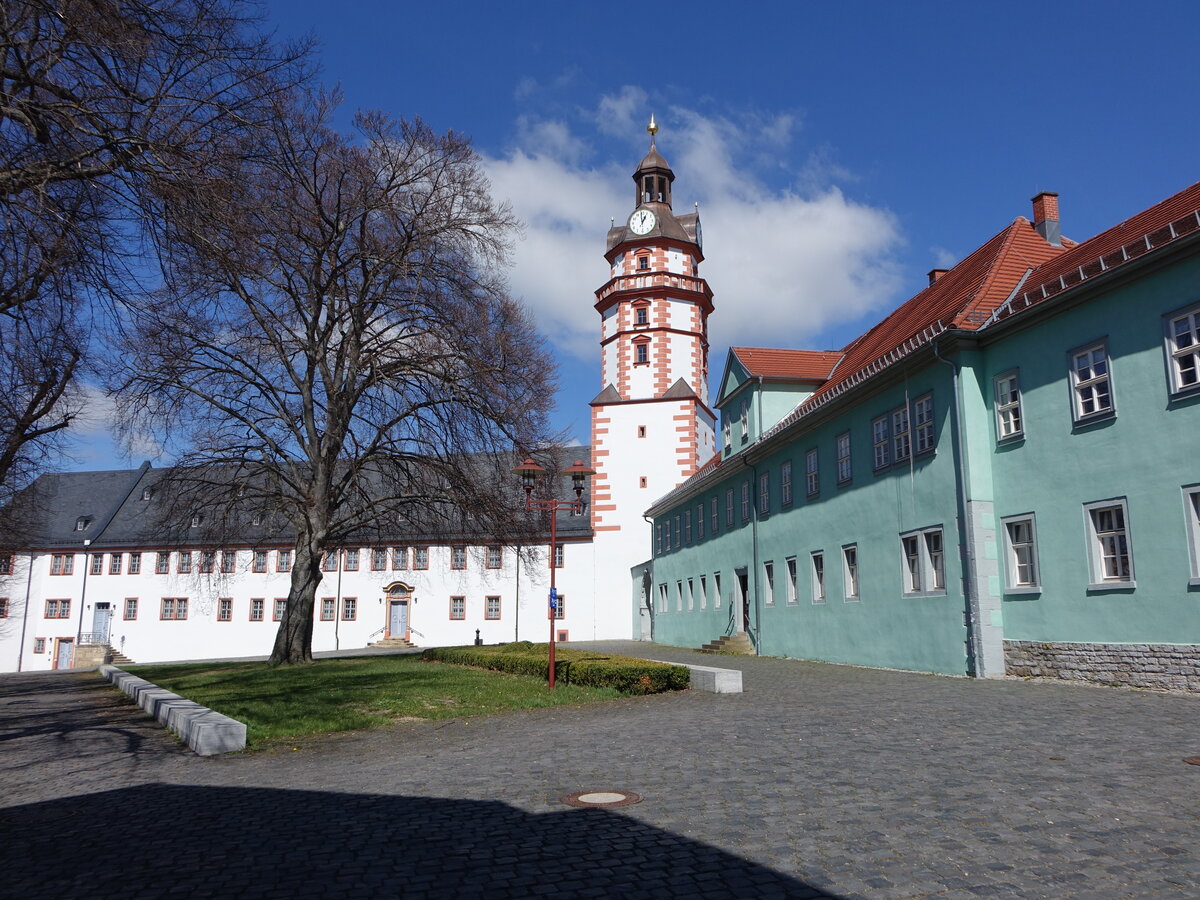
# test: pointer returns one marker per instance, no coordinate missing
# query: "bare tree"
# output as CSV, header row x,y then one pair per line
x,y
101,102
335,344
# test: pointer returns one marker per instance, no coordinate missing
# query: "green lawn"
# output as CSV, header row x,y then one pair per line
x,y
347,694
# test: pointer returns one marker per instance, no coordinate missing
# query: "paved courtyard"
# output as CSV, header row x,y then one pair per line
x,y
818,781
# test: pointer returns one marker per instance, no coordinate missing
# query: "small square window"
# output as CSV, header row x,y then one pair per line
x,y
1183,349
257,607
491,609
349,609
1020,555
1091,385
458,608
850,572
39,645
225,609
1110,546
131,608
1009,422
328,607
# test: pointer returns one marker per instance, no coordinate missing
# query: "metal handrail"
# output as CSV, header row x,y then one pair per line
x,y
93,637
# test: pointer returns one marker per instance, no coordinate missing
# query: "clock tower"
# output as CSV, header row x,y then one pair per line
x,y
652,427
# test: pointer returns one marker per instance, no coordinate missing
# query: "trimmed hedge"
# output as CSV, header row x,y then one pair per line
x,y
625,673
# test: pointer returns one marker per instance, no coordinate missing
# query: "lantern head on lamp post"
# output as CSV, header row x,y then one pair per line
x,y
529,472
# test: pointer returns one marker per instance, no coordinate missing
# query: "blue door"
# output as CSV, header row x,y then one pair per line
x,y
100,622
398,624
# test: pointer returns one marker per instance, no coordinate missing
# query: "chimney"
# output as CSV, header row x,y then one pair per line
x,y
1045,217
935,274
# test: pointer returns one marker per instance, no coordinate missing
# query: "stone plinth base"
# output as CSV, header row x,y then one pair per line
x,y
1174,667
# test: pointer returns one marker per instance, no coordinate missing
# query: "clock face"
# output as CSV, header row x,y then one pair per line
x,y
642,221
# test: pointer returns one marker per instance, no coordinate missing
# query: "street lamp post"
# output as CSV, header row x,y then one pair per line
x,y
529,471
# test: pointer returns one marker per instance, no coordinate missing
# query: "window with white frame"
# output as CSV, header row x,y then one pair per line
x,y
923,423
279,609
764,493
58,609
1110,549
1020,555
174,608
257,605
691,595
818,576
1091,387
785,483
162,562
745,501
725,429
641,352
349,609
1183,349
228,561
131,608
901,439
560,609
62,563
420,558
663,603
6,564
844,470
39,645
379,557
494,557
328,607
703,591
491,608
260,561
135,564
225,609
1009,423
97,563
881,443
812,475
850,572
792,596
769,583
744,418
458,558
716,590
208,561
679,596
699,521
185,562
1191,501
559,557
924,561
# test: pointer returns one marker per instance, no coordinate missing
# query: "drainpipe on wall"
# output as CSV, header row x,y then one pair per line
x,y
517,601
966,557
25,614
87,542
337,608
754,556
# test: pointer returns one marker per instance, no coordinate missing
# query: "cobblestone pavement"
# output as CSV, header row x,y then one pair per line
x,y
818,781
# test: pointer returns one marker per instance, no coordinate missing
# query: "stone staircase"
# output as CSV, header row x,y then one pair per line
x,y
394,643
117,658
731,643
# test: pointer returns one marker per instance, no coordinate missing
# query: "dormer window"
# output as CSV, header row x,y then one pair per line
x,y
256,519
197,518
147,493
82,522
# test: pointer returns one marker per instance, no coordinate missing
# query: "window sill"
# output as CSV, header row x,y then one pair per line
x,y
852,599
1094,420
1012,440
917,595
1024,589
1108,587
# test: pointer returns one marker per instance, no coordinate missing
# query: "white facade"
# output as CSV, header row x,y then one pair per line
x,y
233,614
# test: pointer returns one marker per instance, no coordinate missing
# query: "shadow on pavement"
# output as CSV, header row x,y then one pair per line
x,y
156,839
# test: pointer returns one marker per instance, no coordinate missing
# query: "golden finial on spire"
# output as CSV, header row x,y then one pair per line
x,y
652,128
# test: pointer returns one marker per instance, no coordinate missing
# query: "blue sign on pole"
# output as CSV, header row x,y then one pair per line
x,y
554,599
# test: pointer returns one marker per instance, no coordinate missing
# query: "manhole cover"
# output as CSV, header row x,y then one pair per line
x,y
602,798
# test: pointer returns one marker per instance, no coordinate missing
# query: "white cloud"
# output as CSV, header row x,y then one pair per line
x,y
785,264
943,258
93,434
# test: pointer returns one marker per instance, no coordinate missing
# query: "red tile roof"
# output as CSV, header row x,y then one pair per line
x,y
801,365
1162,223
962,298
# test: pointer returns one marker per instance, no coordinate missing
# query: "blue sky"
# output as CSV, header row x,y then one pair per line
x,y
838,151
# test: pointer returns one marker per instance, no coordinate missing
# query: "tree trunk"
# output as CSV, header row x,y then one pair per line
x,y
293,641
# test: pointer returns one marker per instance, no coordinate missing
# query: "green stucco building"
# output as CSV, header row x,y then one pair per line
x,y
1002,476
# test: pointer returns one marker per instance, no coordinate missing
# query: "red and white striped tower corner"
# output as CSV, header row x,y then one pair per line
x,y
651,424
